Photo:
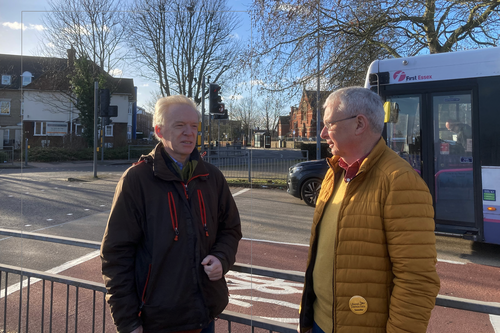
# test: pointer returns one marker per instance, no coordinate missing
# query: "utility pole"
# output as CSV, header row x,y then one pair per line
x,y
203,115
318,113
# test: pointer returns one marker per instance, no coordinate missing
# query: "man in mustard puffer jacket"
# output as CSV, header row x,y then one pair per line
x,y
372,256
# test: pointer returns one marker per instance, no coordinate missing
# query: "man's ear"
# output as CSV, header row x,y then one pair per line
x,y
361,124
158,132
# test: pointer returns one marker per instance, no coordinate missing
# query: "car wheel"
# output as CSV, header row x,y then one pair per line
x,y
310,191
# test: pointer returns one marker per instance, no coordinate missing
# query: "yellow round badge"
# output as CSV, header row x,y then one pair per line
x,y
358,305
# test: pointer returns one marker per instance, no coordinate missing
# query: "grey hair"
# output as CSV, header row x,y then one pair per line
x,y
164,103
359,100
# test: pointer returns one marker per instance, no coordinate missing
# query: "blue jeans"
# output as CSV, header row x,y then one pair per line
x,y
317,329
210,328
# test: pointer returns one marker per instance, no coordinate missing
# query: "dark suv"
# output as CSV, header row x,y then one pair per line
x,y
304,180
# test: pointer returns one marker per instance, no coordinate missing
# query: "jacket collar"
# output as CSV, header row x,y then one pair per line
x,y
161,170
368,162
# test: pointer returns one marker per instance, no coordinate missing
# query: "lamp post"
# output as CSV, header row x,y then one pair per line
x,y
318,113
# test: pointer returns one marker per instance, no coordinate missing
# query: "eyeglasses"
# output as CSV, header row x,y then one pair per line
x,y
329,126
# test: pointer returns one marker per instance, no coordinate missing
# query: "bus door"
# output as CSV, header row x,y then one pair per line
x,y
443,157
453,172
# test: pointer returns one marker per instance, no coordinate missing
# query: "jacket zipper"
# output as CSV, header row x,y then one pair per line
x,y
203,212
173,215
143,298
185,185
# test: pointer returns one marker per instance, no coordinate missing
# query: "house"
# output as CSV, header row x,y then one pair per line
x,y
36,102
144,123
283,127
302,120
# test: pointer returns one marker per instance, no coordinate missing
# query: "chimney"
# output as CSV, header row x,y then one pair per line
x,y
71,57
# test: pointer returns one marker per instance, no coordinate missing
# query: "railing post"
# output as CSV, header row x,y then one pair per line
x,y
249,167
25,153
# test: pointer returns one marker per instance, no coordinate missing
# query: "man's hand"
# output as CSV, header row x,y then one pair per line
x,y
213,267
137,330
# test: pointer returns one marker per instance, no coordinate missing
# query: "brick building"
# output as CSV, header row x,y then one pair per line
x,y
301,123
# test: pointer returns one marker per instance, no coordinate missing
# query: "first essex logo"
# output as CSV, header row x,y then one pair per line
x,y
399,76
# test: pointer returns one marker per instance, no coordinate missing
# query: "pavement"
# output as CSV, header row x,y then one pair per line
x,y
253,295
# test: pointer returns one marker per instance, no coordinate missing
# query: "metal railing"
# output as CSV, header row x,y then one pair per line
x,y
135,151
7,154
71,316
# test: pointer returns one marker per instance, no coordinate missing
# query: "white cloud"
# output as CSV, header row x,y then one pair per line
x,y
145,85
17,26
115,72
12,25
38,27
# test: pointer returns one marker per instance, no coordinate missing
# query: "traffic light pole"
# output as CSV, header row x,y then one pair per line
x,y
102,139
96,91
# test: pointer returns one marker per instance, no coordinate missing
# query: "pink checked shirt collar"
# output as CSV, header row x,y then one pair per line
x,y
351,170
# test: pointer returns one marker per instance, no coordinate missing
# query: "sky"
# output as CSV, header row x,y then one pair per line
x,y
14,40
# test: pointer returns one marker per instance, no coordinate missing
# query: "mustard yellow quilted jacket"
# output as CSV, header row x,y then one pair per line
x,y
384,250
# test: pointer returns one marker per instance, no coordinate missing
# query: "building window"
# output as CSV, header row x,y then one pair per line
x,y
6,137
45,143
26,78
108,130
108,144
4,107
40,128
78,129
6,80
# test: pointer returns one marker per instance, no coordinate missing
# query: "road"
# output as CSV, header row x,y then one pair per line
x,y
276,228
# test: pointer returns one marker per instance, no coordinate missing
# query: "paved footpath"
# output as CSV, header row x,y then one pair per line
x,y
250,294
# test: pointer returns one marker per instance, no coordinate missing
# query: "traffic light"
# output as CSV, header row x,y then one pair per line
x,y
215,99
223,115
104,102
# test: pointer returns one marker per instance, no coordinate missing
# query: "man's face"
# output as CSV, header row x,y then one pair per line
x,y
179,131
341,134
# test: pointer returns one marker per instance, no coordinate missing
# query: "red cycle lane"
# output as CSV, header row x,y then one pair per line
x,y
259,296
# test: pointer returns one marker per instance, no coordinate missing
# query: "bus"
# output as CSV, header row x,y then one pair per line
x,y
443,117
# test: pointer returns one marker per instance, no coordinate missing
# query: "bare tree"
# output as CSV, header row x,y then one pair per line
x,y
245,111
352,33
180,41
270,109
94,28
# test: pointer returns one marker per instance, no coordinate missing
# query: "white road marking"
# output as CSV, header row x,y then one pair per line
x,y
264,300
241,192
285,320
451,262
49,220
274,242
69,214
495,322
15,287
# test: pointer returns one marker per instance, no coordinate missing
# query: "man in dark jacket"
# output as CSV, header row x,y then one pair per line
x,y
172,233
